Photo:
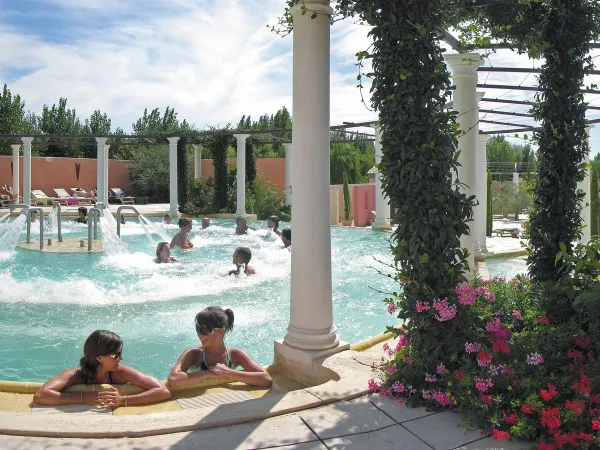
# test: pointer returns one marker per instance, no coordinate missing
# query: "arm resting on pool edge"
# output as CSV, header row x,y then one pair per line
x,y
179,376
253,373
154,390
50,393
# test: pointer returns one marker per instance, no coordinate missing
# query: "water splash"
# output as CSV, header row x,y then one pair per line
x,y
111,243
51,222
11,232
154,228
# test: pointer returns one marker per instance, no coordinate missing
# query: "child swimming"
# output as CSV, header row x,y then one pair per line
x,y
213,358
182,239
241,257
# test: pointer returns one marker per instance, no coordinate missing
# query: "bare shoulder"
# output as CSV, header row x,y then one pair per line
x,y
238,355
193,356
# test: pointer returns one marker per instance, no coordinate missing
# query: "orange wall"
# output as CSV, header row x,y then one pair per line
x,y
50,173
271,169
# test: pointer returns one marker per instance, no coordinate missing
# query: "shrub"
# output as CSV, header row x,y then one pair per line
x,y
149,173
268,200
201,198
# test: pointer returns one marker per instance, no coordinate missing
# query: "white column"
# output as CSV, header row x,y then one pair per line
x,y
15,185
197,161
107,186
516,180
27,170
480,211
311,310
586,209
464,68
100,165
241,174
288,173
173,174
382,206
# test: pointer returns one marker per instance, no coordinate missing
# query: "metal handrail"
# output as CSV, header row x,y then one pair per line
x,y
18,205
93,217
28,214
119,216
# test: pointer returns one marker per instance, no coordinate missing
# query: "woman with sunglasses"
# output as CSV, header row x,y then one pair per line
x,y
102,354
213,358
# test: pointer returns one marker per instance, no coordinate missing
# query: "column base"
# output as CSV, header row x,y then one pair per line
x,y
240,213
381,225
316,340
305,365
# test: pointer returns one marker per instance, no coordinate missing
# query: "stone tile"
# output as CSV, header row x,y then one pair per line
x,y
344,418
170,405
70,409
394,437
13,402
400,413
449,432
315,445
223,398
490,443
351,385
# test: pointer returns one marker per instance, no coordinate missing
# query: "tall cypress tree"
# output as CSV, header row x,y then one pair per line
x,y
489,221
219,154
250,162
594,217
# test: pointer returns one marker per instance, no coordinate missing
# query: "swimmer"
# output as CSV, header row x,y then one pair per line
x,y
241,257
241,226
102,355
182,239
205,223
213,359
273,224
82,211
167,219
122,219
163,253
33,216
286,238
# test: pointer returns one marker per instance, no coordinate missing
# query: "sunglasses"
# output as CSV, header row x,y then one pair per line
x,y
116,355
206,331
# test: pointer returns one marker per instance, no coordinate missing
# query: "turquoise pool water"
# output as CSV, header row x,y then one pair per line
x,y
51,302
507,267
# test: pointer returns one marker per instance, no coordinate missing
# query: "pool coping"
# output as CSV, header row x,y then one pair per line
x,y
350,368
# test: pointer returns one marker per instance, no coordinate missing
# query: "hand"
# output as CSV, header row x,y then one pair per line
x,y
220,370
110,397
90,399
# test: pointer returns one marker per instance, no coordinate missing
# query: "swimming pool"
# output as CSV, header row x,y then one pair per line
x,y
507,267
51,301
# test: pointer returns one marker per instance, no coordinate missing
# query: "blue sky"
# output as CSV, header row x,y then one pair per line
x,y
211,60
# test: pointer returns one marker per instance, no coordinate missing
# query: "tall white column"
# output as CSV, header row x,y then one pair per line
x,y
197,161
173,175
106,150
241,174
100,165
480,211
464,68
311,310
288,173
27,170
586,209
382,205
15,185
516,181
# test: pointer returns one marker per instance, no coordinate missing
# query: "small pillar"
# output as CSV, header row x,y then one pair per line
x,y
106,150
382,206
27,170
586,209
241,174
100,165
197,161
16,181
464,67
173,175
480,212
288,173
515,180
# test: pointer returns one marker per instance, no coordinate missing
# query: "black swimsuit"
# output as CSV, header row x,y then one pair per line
x,y
204,366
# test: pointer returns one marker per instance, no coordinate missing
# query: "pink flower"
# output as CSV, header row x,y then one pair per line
x,y
472,348
373,385
402,342
484,358
391,308
398,387
445,312
517,315
466,294
391,370
422,306
388,350
443,398
430,378
498,435
441,369
535,359
483,385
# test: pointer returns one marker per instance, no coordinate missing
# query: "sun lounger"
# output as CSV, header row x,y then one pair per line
x,y
64,195
6,201
121,197
502,232
83,198
38,197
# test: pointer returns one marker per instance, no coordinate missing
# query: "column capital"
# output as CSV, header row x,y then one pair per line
x,y
101,140
288,145
479,96
588,128
196,146
464,64
27,140
15,147
241,137
482,138
106,147
173,140
317,6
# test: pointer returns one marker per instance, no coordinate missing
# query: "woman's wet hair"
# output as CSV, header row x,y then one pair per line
x,y
287,233
275,220
214,317
99,343
159,248
184,221
245,253
82,209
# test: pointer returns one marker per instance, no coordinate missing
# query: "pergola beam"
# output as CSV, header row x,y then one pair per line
x,y
525,88
505,113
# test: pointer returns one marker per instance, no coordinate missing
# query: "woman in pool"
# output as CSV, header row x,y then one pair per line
x,y
241,226
102,354
182,239
163,253
213,359
273,224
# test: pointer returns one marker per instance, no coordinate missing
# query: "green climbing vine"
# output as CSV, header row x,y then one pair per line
x,y
489,223
219,147
182,173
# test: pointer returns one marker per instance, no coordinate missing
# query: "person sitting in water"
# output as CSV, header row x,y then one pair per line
x,y
286,238
167,219
205,223
163,253
122,219
182,239
102,354
241,257
82,211
213,358
33,216
273,224
241,226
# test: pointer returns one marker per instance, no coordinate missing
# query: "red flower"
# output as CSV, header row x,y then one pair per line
x,y
576,354
595,424
516,383
590,355
583,343
484,358
509,372
510,419
543,320
585,437
500,434
544,446
501,346
458,374
584,385
595,399
547,395
487,399
528,410
576,406
551,418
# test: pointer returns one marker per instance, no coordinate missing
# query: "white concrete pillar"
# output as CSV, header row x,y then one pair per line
x,y
464,67
311,310
288,173
173,175
241,174
100,165
586,207
515,180
27,170
197,161
480,211
382,205
106,150
16,181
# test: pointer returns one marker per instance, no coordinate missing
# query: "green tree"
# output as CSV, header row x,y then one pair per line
x,y
490,212
12,117
97,125
60,120
182,172
250,161
594,204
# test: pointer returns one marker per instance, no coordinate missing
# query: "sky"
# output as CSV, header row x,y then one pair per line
x,y
211,60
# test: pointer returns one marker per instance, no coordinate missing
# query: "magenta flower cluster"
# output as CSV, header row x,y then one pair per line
x,y
535,359
482,384
444,311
